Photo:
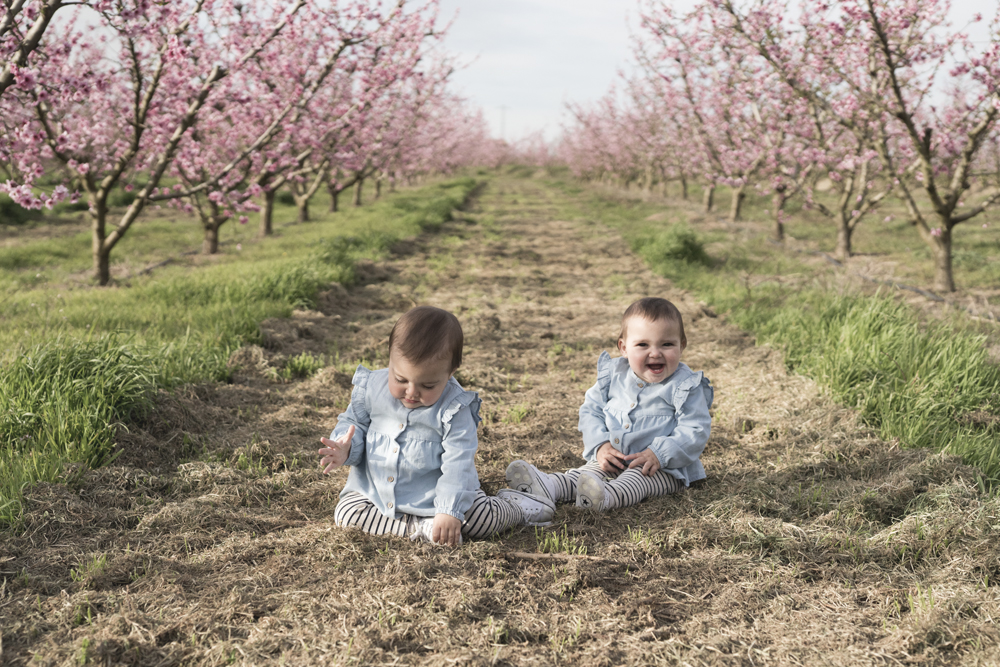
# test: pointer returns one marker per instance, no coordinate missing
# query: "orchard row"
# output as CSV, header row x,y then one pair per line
x,y
870,98
213,105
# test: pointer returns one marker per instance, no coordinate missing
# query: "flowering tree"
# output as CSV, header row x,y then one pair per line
x,y
22,26
602,143
942,143
621,141
115,111
914,93
330,62
390,87
226,99
334,135
723,95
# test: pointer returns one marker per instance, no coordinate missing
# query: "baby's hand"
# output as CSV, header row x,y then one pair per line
x,y
447,530
646,460
612,461
336,451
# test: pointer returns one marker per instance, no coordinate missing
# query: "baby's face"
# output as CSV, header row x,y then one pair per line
x,y
417,385
653,349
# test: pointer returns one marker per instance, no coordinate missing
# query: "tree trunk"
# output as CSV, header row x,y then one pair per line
x,y
779,210
844,232
102,266
684,188
378,188
944,277
709,198
357,191
736,205
210,244
334,193
98,226
267,213
303,205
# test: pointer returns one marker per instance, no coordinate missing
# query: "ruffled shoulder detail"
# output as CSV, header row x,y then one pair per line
x,y
360,378
360,392
605,367
687,384
469,399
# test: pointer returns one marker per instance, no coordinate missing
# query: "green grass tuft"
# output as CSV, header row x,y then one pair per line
x,y
929,385
304,365
62,402
554,542
677,243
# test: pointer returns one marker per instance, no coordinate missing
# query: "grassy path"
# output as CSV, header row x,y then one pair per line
x,y
211,542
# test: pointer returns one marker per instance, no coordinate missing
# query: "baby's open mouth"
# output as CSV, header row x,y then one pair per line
x,y
656,368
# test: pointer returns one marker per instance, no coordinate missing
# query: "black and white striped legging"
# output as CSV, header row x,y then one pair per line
x,y
487,516
625,489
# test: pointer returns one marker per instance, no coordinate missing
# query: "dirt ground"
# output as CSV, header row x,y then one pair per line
x,y
211,540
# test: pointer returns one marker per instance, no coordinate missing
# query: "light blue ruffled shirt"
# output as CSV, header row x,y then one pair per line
x,y
417,461
669,417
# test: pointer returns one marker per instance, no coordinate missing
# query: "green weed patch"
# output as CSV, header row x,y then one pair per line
x,y
63,402
927,385
676,243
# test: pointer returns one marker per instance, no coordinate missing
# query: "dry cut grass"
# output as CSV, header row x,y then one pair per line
x,y
211,540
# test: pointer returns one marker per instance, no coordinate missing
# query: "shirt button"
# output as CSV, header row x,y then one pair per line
x,y
616,441
389,505
632,406
641,385
395,449
400,426
390,479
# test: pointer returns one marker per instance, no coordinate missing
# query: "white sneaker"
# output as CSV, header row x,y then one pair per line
x,y
537,510
526,478
422,528
590,493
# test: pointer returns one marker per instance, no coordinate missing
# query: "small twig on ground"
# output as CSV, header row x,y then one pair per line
x,y
152,267
168,260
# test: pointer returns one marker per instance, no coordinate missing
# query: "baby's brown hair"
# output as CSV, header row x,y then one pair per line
x,y
653,308
425,333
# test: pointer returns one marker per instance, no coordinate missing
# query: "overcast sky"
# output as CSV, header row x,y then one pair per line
x,y
531,56
527,58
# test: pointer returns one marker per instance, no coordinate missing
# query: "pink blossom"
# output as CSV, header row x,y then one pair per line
x,y
26,79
